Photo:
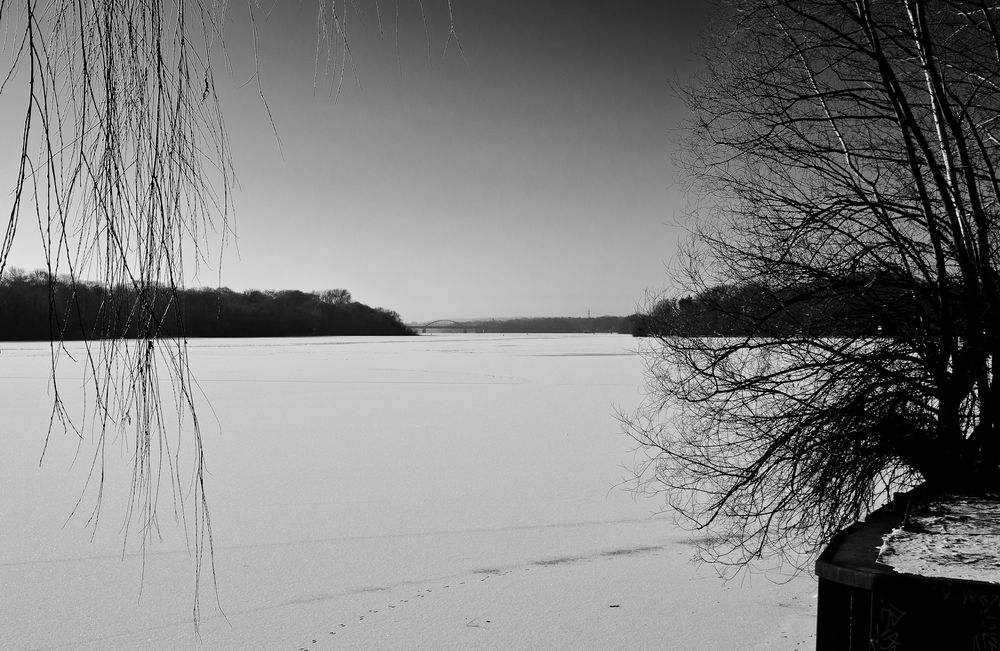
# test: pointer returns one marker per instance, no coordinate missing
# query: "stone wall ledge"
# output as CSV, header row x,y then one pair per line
x,y
864,604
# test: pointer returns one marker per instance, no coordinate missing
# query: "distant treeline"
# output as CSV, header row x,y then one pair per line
x,y
34,308
558,325
859,306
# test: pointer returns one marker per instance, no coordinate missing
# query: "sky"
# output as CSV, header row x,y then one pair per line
x,y
528,172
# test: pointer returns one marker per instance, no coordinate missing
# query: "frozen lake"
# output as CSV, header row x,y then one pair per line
x,y
446,491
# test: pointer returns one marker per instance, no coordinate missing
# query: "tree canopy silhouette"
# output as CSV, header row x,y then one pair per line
x,y
32,306
843,155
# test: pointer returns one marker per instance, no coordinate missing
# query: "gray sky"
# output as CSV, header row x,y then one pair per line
x,y
531,178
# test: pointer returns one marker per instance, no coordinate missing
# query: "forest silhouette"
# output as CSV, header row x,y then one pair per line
x,y
36,307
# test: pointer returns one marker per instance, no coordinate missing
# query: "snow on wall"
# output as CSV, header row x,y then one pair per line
x,y
953,538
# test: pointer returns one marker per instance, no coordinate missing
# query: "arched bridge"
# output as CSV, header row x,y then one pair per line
x,y
444,324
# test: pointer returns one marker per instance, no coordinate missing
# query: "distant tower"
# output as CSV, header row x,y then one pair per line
x,y
588,312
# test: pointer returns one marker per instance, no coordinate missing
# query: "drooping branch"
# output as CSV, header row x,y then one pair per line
x,y
125,167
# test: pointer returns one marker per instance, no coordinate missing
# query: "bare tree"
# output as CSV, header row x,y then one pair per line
x,y
335,296
845,156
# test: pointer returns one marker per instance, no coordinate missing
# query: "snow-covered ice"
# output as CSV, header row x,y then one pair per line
x,y
446,491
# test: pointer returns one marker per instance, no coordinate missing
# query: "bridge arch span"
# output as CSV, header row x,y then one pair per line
x,y
444,324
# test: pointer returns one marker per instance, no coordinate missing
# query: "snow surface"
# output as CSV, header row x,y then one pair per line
x,y
953,538
446,491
